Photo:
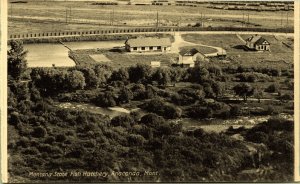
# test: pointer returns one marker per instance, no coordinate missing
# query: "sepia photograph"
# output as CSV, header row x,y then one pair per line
x,y
150,91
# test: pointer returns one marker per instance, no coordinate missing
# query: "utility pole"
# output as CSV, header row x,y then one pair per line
x,y
109,18
281,19
243,19
248,18
11,9
113,17
70,13
66,16
157,19
287,21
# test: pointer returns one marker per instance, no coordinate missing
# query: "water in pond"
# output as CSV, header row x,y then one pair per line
x,y
94,44
49,54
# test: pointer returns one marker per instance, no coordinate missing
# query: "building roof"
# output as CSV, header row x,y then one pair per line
x,y
189,52
148,41
258,40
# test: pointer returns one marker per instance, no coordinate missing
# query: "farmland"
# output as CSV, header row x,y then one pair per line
x,y
46,16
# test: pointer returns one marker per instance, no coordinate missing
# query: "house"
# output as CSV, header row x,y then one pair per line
x,y
188,57
146,44
257,43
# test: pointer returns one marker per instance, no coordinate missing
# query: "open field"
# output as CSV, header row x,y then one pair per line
x,y
232,44
202,49
40,15
119,58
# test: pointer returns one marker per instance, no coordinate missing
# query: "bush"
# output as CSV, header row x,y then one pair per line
x,y
159,107
123,120
286,97
106,99
39,132
60,138
152,120
273,88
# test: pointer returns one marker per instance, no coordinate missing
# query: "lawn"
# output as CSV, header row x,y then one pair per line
x,y
280,54
202,49
120,58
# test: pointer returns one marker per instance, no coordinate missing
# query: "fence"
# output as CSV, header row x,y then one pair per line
x,y
87,33
140,30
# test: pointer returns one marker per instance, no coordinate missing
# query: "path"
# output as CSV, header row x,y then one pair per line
x,y
180,42
239,37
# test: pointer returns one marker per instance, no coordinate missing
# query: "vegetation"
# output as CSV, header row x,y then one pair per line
x,y
44,137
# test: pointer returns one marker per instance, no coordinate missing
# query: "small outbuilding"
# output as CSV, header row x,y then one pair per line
x,y
188,57
145,44
257,43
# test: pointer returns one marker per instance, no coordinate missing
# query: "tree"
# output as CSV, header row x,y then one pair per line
x,y
103,72
76,80
218,89
120,75
243,90
152,120
125,95
123,120
139,73
258,93
106,99
17,63
272,88
89,74
162,76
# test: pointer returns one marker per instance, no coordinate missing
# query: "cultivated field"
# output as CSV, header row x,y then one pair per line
x,y
49,16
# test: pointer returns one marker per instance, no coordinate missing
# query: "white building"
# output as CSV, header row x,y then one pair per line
x,y
188,57
147,44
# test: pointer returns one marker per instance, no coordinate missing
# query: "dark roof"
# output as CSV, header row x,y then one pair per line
x,y
258,40
189,52
148,41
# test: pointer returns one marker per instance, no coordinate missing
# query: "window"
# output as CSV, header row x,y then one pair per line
x,y
159,47
134,48
151,48
143,48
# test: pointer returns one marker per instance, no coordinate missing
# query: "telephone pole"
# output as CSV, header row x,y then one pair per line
x,y
281,19
243,19
66,16
113,17
157,19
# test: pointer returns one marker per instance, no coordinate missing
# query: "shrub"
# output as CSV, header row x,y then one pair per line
x,y
152,120
123,120
273,88
286,97
39,132
60,138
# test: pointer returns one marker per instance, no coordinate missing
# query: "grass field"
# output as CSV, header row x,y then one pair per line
x,y
34,15
202,49
120,59
280,54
